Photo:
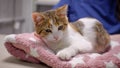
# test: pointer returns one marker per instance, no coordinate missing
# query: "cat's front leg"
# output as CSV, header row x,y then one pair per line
x,y
66,53
76,47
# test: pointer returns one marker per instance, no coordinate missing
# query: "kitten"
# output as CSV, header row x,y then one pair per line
x,y
64,39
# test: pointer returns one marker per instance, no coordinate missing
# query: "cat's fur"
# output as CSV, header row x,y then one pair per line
x,y
64,38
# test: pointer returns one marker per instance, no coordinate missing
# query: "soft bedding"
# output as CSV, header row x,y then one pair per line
x,y
30,48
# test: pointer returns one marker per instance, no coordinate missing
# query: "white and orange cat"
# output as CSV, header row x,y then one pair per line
x,y
65,39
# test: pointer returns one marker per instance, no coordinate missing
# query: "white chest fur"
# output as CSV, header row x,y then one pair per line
x,y
71,39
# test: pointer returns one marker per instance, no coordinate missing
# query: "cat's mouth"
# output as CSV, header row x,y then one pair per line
x,y
55,40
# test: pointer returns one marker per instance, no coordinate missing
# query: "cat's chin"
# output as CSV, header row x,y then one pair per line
x,y
53,41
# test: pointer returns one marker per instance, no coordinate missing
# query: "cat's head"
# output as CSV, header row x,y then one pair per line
x,y
51,24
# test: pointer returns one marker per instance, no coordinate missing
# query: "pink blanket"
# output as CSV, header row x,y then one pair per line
x,y
29,48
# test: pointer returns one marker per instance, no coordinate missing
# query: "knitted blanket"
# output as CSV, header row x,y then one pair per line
x,y
30,48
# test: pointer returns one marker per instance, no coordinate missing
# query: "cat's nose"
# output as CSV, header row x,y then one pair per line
x,y
56,37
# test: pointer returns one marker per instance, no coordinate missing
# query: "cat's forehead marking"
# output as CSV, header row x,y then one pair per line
x,y
54,27
52,17
51,22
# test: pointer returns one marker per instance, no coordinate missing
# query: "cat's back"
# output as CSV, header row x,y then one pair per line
x,y
93,30
88,22
86,27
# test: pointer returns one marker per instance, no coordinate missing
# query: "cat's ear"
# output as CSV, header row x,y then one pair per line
x,y
62,11
37,18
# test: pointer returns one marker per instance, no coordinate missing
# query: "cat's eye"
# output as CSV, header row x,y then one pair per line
x,y
48,30
60,27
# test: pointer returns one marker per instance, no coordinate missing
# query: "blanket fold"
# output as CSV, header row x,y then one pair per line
x,y
29,48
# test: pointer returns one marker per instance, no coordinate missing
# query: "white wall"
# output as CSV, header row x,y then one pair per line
x,y
15,11
27,11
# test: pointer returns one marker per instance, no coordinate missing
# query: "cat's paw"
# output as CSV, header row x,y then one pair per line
x,y
65,54
10,38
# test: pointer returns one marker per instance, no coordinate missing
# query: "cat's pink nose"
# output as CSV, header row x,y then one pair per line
x,y
56,37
